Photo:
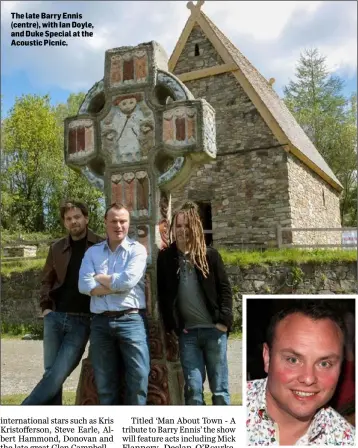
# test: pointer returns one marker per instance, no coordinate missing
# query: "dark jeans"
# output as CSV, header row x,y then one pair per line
x,y
65,339
199,349
120,338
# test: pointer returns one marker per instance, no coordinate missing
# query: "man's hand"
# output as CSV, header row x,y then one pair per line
x,y
221,327
173,334
104,280
46,311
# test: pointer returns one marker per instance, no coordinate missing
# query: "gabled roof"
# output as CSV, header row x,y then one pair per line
x,y
272,109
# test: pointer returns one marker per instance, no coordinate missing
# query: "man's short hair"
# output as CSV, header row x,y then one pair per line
x,y
70,204
314,309
116,206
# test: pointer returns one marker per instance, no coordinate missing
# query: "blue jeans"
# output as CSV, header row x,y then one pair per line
x,y
202,348
115,340
65,339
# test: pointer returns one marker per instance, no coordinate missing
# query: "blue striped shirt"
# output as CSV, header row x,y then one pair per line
x,y
126,265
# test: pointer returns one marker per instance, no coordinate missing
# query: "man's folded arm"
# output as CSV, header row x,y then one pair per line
x,y
132,274
86,280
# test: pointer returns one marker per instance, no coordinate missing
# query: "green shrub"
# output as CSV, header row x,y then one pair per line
x,y
20,329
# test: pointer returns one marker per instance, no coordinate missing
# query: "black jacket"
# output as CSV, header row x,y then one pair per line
x,y
215,286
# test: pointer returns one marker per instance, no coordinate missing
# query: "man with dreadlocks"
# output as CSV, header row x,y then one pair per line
x,y
195,302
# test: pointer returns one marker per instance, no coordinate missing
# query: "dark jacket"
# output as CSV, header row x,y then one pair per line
x,y
55,269
215,286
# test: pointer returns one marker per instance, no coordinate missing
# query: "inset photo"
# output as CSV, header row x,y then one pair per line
x,y
300,370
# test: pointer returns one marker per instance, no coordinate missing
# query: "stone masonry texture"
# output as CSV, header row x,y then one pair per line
x,y
313,203
254,184
20,291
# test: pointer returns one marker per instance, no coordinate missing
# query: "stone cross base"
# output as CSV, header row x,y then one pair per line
x,y
166,381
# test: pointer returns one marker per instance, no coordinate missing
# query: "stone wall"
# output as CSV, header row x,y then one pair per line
x,y
309,278
20,295
248,194
247,185
20,291
314,203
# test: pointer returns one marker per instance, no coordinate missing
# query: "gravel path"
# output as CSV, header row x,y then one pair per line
x,y
22,367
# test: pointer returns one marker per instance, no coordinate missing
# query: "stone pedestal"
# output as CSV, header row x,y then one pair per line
x,y
20,250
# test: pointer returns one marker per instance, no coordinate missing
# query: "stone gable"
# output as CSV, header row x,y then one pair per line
x,y
208,57
254,184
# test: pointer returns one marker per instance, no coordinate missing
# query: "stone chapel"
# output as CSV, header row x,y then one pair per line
x,y
267,172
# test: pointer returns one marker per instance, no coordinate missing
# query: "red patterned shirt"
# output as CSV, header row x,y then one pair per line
x,y
327,427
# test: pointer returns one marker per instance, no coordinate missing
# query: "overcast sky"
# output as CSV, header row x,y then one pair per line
x,y
270,34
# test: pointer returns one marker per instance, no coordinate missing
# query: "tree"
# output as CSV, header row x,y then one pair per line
x,y
329,119
73,184
30,150
34,177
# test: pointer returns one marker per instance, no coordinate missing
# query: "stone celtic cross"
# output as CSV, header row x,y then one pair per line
x,y
138,135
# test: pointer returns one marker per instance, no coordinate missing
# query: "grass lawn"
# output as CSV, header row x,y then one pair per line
x,y
243,258
287,256
12,336
69,398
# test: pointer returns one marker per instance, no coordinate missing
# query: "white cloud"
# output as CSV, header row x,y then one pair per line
x,y
260,19
270,34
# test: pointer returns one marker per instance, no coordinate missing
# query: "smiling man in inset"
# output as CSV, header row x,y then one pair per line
x,y
302,357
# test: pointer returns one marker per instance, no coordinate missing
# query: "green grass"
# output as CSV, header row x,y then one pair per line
x,y
11,336
243,259
13,237
236,335
69,399
10,267
288,256
235,399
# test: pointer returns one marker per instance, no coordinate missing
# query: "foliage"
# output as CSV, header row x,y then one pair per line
x,y
19,329
35,178
30,148
243,259
297,276
329,119
287,256
9,236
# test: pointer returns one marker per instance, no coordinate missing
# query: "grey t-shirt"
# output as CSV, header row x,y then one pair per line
x,y
191,300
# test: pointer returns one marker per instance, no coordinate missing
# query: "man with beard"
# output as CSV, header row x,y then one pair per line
x,y
65,310
302,356
195,301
